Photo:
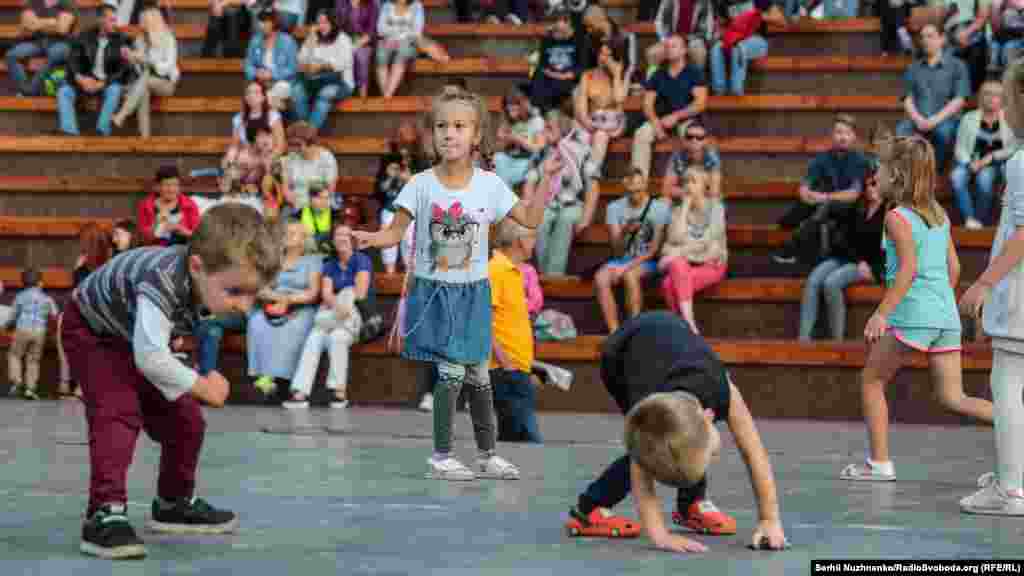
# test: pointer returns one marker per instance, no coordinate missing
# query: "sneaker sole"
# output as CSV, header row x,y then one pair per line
x,y
208,529
118,553
497,476
989,511
867,478
295,405
436,476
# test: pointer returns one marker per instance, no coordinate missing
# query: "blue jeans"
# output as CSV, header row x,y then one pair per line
x,y
941,137
1000,52
66,96
515,406
613,486
209,334
326,97
56,54
980,208
832,8
830,277
740,56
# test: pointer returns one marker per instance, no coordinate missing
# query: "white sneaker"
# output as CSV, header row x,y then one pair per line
x,y
991,500
427,404
496,467
973,224
292,404
449,469
513,20
867,472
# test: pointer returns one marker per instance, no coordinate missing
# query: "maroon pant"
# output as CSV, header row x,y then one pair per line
x,y
119,401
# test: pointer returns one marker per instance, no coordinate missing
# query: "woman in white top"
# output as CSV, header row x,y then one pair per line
x,y
257,111
325,70
400,28
156,58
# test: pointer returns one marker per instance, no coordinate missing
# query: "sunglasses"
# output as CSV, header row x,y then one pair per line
x,y
696,137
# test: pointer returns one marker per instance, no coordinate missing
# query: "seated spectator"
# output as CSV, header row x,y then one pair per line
x,y
693,150
96,67
835,178
307,165
1006,18
279,327
325,70
6,312
346,279
599,111
359,20
937,87
45,27
743,30
695,254
693,20
893,17
675,94
562,183
249,163
392,176
636,226
224,28
155,58
984,142
556,127
964,25
167,216
33,310
599,31
561,63
318,220
400,38
520,135
290,13
256,112
231,190
857,260
272,58
512,352
123,236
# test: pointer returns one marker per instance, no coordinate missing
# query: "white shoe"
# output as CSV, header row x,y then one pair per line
x,y
427,404
292,404
336,403
867,472
513,20
991,500
449,469
973,224
496,467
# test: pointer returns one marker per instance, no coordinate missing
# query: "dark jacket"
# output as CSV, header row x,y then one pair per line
x,y
83,55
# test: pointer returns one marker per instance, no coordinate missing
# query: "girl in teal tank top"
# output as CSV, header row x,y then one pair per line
x,y
918,311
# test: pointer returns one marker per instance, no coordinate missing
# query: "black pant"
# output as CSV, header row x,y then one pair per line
x,y
463,10
226,30
613,486
796,215
892,19
548,93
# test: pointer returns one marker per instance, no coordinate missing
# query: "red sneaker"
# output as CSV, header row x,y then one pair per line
x,y
601,523
704,517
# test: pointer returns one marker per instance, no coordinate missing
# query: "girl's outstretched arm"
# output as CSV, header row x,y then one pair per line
x,y
386,238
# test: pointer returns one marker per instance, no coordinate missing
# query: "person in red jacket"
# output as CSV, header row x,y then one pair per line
x,y
167,216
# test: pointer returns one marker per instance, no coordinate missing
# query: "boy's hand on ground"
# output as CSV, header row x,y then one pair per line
x,y
770,531
677,543
212,389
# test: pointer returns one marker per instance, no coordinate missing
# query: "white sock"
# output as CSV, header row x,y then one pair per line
x,y
886,467
1007,382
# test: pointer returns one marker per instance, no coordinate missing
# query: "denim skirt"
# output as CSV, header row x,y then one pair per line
x,y
448,322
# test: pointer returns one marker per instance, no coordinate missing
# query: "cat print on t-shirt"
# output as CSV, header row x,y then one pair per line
x,y
453,236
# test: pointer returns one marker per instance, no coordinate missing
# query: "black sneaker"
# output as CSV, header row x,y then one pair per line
x,y
190,516
108,534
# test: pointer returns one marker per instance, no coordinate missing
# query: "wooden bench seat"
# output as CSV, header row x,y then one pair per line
x,y
205,5
350,145
419,104
487,66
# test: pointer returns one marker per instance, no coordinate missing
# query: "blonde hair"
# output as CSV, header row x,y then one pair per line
x,y
667,435
909,163
1013,96
452,94
234,234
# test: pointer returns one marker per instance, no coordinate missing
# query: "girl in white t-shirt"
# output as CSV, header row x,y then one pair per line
x,y
448,306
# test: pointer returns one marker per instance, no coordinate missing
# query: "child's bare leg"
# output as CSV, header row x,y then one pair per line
x,y
949,387
634,283
884,361
603,285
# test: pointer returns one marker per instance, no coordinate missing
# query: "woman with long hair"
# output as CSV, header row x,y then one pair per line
x,y
155,57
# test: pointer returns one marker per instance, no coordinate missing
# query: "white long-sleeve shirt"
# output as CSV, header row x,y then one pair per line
x,y
338,55
408,26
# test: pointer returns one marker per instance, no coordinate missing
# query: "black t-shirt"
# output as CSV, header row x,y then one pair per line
x,y
658,352
675,93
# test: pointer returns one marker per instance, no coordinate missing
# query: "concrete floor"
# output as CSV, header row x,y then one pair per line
x,y
343,493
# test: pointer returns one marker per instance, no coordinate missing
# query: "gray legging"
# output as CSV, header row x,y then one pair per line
x,y
450,380
831,276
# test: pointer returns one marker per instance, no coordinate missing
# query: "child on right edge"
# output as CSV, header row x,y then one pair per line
x,y
997,289
673,388
918,311
448,304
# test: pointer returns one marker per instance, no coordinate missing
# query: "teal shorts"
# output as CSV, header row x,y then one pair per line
x,y
932,340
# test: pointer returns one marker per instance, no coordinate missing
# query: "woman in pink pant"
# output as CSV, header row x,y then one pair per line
x,y
695,251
